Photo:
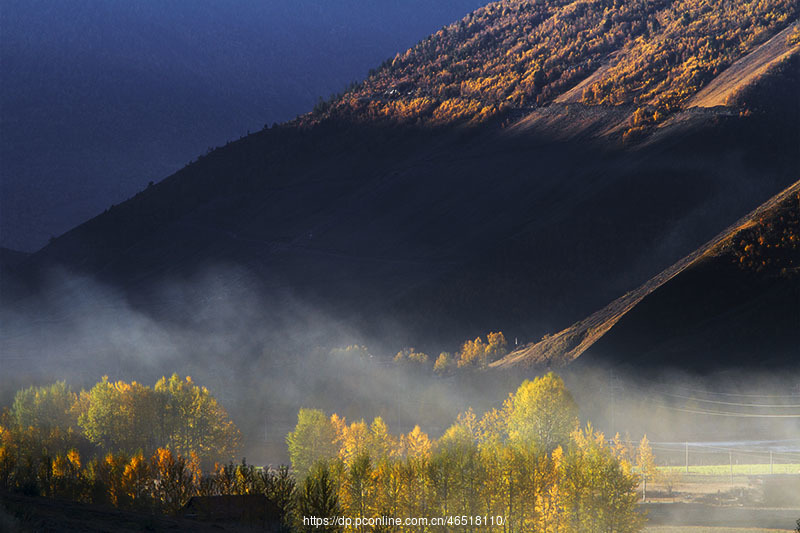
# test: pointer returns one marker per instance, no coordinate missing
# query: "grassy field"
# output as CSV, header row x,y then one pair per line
x,y
738,470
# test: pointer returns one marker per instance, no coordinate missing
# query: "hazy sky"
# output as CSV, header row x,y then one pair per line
x,y
99,97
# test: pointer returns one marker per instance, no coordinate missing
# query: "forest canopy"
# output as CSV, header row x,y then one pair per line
x,y
125,417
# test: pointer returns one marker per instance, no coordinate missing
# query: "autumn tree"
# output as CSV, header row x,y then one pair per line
x,y
477,353
354,441
122,416
472,353
9,454
381,444
137,481
68,479
175,479
599,495
646,464
411,356
416,448
193,420
176,413
443,363
496,346
543,413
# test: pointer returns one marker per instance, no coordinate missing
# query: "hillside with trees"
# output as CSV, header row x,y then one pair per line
x,y
516,54
353,226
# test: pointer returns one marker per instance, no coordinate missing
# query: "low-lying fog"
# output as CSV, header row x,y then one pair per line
x,y
266,355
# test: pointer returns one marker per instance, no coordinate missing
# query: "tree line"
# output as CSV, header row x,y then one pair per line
x,y
119,442
528,462
473,354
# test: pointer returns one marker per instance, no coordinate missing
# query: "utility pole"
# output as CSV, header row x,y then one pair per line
x,y
644,487
730,458
613,404
687,456
613,384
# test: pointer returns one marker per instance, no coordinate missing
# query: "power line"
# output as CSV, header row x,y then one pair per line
x,y
719,413
718,402
741,395
725,413
736,404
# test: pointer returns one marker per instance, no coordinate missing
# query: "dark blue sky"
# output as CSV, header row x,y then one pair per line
x,y
99,97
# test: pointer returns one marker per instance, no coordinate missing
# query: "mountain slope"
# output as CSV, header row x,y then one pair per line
x,y
110,97
735,301
418,232
652,55
747,70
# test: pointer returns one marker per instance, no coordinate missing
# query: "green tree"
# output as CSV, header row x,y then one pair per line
x,y
281,489
311,440
46,408
319,499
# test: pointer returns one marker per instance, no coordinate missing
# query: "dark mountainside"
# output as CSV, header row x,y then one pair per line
x,y
423,209
99,99
735,300
739,305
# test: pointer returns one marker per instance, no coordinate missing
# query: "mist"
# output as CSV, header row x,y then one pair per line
x,y
265,353
262,354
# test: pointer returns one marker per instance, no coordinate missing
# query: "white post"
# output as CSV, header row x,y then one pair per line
x,y
730,458
687,457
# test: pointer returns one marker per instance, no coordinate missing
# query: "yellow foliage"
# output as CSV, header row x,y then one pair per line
x,y
477,353
416,444
525,54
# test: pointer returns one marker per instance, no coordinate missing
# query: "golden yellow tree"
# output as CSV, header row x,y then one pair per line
x,y
176,479
443,363
646,464
416,447
355,442
194,421
543,413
